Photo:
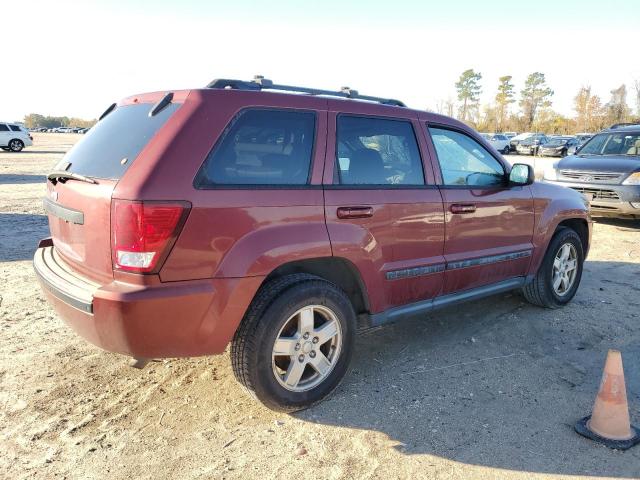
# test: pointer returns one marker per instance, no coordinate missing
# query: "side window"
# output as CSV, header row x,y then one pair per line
x,y
463,161
262,147
3,128
375,151
14,128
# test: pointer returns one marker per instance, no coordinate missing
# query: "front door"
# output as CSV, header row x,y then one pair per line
x,y
489,224
383,211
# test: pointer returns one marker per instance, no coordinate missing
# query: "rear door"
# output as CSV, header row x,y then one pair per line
x,y
80,212
489,224
4,134
383,211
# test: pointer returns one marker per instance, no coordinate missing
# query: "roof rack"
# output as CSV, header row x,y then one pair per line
x,y
618,125
260,83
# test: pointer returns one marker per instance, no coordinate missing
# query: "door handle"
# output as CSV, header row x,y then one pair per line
x,y
354,212
462,208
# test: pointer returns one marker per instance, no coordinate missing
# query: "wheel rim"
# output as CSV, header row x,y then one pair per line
x,y
565,269
307,348
15,145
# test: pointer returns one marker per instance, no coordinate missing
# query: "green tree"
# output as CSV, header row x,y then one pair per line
x,y
468,88
504,98
535,95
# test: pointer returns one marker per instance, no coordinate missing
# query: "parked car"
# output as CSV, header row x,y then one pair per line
x,y
498,141
582,139
606,170
558,146
531,144
14,137
284,223
513,143
510,135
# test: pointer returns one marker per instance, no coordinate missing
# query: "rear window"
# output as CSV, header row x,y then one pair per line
x,y
112,145
262,147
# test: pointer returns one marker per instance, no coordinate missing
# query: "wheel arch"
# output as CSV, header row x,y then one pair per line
x,y
581,227
336,270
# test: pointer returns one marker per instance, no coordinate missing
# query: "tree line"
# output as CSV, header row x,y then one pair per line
x,y
535,111
34,120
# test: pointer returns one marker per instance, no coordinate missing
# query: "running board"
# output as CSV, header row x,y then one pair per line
x,y
420,308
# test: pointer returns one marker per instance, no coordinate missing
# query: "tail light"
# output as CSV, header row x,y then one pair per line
x,y
144,232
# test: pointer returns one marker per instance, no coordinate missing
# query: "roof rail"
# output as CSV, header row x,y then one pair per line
x,y
260,83
624,124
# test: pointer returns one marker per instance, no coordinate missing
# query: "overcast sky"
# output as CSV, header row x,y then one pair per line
x,y
75,58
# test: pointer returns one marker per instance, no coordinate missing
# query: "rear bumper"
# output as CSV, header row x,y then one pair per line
x,y
608,200
173,319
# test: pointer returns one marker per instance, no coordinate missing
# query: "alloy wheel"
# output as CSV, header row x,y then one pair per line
x,y
306,348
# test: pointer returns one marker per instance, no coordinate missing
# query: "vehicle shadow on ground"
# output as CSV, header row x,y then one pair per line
x,y
620,222
19,235
7,179
499,383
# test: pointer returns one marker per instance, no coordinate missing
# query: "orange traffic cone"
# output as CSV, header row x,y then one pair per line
x,y
609,423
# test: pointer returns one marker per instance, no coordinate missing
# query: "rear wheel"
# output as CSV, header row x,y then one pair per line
x,y
559,276
16,145
295,342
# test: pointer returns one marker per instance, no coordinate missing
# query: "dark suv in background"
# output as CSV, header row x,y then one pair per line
x,y
285,223
606,170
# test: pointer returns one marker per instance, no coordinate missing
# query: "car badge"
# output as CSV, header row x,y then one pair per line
x,y
586,178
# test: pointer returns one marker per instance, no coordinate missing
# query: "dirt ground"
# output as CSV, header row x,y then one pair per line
x,y
488,390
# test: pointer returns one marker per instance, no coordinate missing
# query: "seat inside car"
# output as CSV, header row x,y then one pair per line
x,y
366,167
635,150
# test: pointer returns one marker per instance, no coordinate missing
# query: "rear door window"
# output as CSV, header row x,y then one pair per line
x,y
375,151
112,145
3,128
262,147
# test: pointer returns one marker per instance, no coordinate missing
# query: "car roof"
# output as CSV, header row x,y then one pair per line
x,y
630,127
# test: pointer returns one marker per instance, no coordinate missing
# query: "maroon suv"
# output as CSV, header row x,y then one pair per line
x,y
282,220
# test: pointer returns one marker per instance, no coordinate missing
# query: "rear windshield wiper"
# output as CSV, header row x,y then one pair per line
x,y
61,175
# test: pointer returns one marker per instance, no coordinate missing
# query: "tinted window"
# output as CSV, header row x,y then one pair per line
x,y
377,152
3,128
14,128
463,161
262,147
120,135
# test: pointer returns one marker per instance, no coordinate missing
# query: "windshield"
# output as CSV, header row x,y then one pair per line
x,y
557,141
620,143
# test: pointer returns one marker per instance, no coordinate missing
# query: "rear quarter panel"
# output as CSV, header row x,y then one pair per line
x,y
236,231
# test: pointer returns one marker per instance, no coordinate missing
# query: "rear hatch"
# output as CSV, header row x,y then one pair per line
x,y
80,187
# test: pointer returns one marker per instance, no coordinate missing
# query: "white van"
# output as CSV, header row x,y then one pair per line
x,y
14,137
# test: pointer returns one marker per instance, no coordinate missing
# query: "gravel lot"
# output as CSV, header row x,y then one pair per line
x,y
487,390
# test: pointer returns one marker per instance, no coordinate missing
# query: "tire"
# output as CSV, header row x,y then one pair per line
x,y
506,150
16,145
541,290
275,314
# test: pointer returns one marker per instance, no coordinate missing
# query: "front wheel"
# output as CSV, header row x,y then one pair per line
x,y
16,145
558,278
294,345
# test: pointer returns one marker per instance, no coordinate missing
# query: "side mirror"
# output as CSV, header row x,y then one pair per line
x,y
521,174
